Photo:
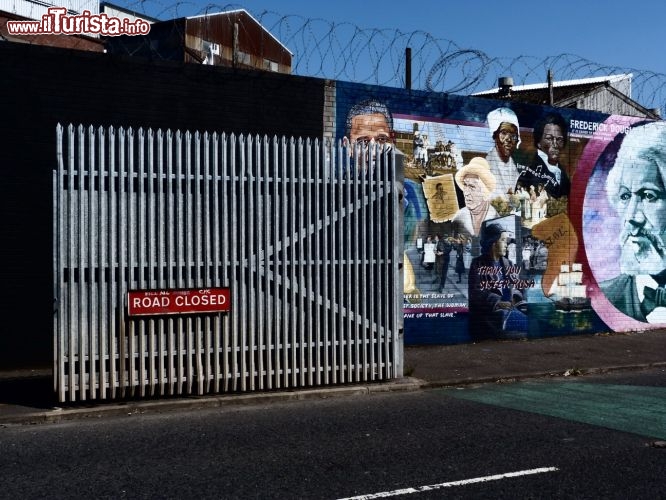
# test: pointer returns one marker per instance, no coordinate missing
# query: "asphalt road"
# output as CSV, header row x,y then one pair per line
x,y
581,437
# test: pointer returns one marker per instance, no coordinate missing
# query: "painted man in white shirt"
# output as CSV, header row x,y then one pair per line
x,y
476,182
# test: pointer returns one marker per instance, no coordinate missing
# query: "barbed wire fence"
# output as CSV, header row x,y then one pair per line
x,y
344,51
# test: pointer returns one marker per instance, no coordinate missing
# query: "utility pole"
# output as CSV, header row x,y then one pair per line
x,y
408,68
234,47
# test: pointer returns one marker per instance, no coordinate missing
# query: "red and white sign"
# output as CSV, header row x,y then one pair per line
x,y
201,300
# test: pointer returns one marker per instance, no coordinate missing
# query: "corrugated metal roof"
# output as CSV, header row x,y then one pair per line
x,y
566,93
584,82
541,95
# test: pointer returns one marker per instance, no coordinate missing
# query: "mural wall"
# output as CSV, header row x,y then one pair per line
x,y
521,221
578,248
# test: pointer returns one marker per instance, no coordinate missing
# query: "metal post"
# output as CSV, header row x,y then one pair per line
x,y
408,68
234,47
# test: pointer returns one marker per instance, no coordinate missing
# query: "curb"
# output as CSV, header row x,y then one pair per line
x,y
231,401
569,373
58,414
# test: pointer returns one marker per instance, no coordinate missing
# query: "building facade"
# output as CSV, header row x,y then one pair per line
x,y
558,276
232,39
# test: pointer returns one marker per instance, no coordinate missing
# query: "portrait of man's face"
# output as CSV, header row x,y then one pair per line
x,y
639,197
474,191
370,126
506,140
552,142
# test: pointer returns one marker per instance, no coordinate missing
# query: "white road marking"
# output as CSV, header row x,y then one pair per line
x,y
463,482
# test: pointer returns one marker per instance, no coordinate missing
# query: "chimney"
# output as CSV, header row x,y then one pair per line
x,y
505,83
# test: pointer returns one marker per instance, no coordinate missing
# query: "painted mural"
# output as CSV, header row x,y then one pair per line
x,y
520,221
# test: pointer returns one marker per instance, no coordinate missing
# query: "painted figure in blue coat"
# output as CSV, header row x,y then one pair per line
x,y
495,303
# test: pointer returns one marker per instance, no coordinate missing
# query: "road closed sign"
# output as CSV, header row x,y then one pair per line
x,y
189,301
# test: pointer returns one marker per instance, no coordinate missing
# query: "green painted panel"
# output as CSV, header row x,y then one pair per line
x,y
637,409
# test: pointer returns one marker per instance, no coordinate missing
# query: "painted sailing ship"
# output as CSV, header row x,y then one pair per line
x,y
569,291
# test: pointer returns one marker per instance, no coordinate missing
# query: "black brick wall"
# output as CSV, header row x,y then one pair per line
x,y
42,86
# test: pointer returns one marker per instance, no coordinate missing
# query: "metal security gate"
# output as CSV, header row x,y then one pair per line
x,y
305,236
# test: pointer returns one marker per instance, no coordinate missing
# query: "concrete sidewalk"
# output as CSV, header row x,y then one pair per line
x,y
494,360
26,396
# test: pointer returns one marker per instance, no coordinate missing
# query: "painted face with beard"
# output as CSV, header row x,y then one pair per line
x,y
640,199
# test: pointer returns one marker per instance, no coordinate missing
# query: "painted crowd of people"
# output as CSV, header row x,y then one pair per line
x,y
445,256
450,249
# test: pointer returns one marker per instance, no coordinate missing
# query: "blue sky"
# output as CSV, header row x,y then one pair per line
x,y
610,32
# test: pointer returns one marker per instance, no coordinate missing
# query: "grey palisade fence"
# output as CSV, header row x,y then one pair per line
x,y
304,234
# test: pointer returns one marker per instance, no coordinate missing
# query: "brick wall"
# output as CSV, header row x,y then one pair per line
x,y
41,86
